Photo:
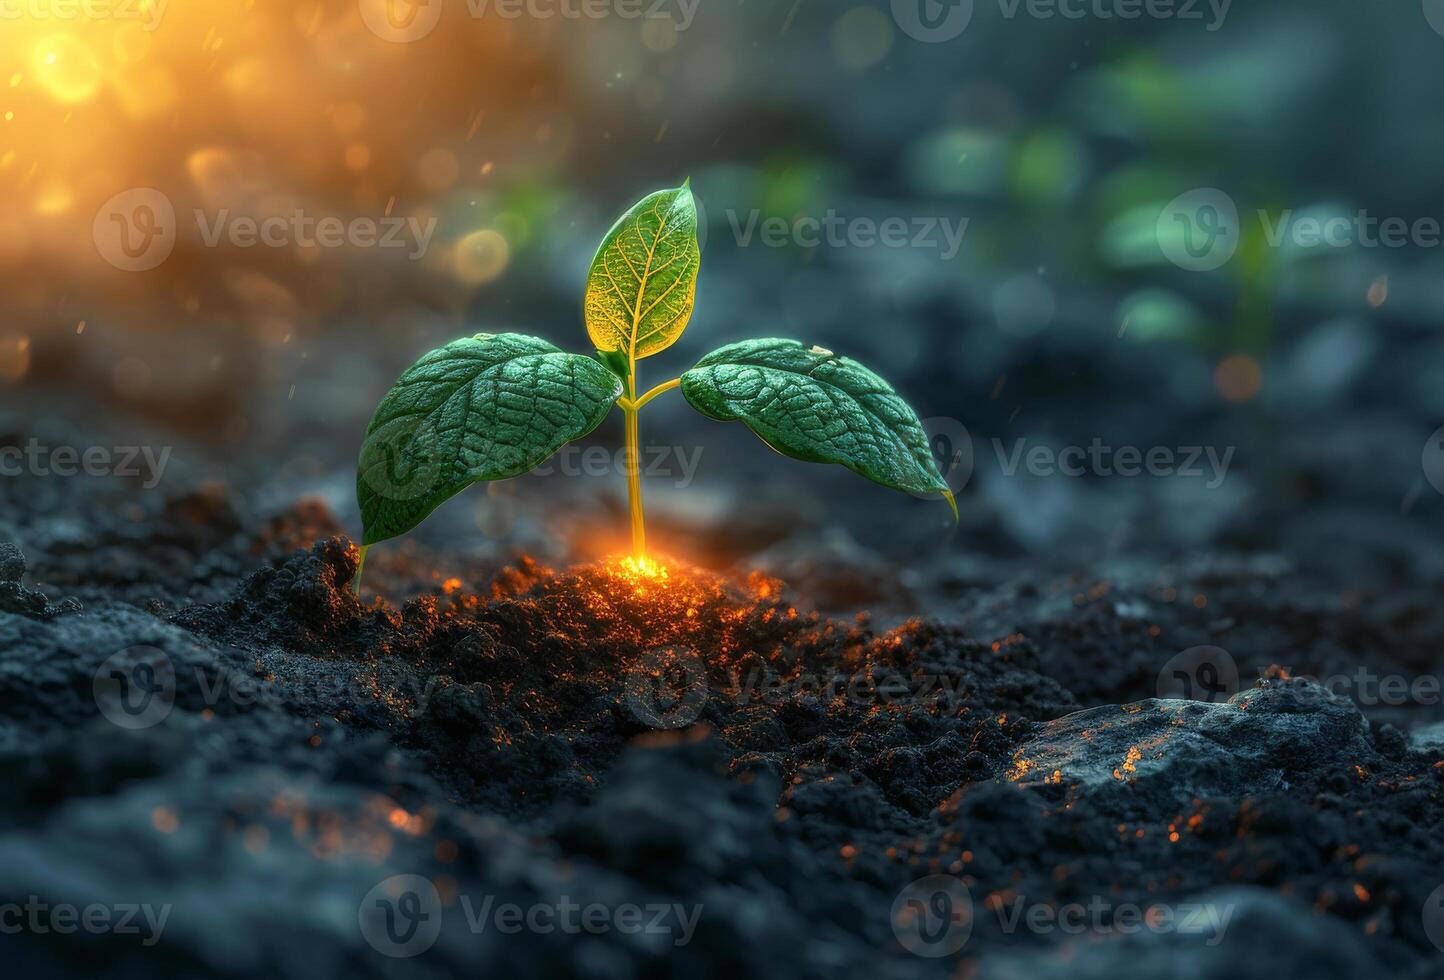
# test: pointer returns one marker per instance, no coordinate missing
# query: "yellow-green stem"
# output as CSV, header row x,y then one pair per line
x,y
360,567
662,388
634,475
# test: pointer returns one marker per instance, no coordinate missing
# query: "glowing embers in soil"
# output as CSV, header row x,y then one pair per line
x,y
643,603
639,570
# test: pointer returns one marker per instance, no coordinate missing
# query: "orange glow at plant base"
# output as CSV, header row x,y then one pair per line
x,y
641,568
629,602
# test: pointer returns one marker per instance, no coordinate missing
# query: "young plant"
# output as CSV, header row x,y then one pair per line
x,y
493,406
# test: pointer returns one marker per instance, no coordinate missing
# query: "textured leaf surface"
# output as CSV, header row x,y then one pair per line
x,y
482,408
813,405
643,280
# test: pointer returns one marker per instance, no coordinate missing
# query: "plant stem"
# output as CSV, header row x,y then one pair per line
x,y
360,567
661,389
634,476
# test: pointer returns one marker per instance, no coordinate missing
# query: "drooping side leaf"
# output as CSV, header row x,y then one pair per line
x,y
482,408
643,280
811,404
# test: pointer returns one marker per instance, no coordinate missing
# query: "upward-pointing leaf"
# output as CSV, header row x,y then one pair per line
x,y
483,408
643,280
813,405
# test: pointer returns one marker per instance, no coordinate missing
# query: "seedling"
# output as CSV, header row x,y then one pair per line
x,y
494,406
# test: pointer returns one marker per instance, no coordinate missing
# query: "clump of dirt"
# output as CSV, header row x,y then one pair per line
x,y
545,681
16,598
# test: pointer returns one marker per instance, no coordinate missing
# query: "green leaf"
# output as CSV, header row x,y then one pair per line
x,y
643,280
486,407
810,404
615,360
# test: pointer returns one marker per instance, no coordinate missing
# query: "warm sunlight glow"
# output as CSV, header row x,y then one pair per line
x,y
101,99
67,67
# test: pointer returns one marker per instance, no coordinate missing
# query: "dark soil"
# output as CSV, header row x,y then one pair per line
x,y
596,735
